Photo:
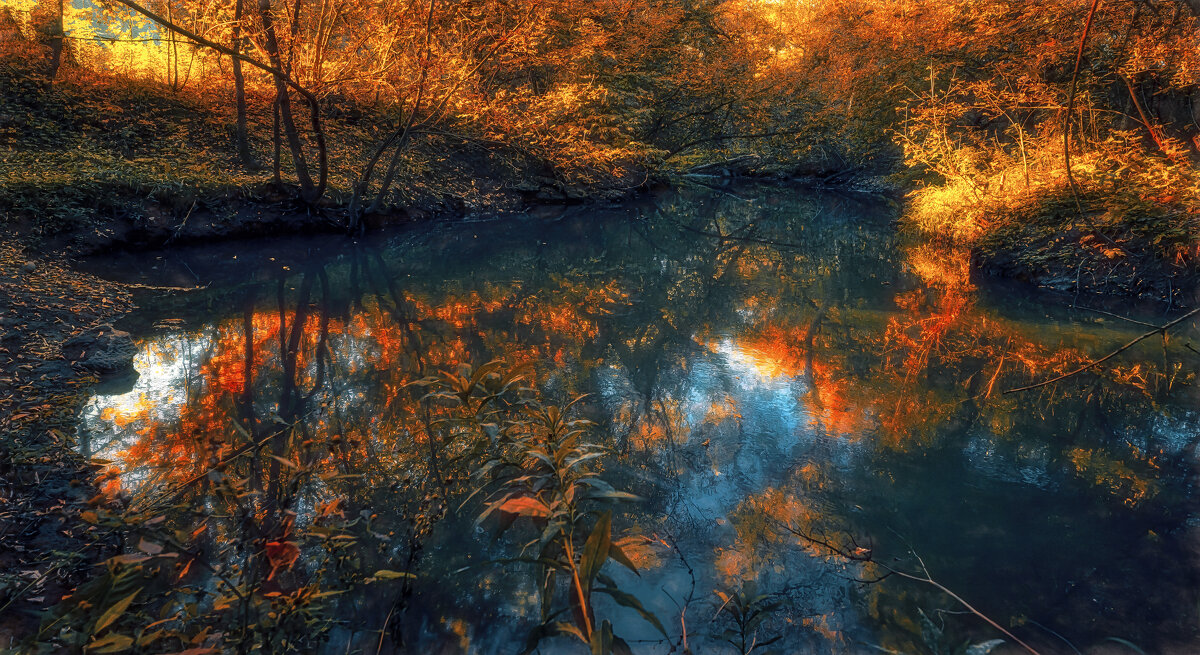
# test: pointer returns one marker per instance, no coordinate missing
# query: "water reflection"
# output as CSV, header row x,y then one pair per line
x,y
762,365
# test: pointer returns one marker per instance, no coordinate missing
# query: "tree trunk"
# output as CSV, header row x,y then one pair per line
x,y
284,101
56,45
282,79
239,92
276,141
172,54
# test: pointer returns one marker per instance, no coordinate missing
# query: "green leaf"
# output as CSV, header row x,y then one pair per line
x,y
564,628
113,613
595,551
615,552
602,639
110,644
611,495
626,599
549,630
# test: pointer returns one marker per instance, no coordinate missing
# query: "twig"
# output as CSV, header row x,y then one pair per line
x,y
1087,28
1123,318
927,579
1064,639
683,641
1158,330
182,223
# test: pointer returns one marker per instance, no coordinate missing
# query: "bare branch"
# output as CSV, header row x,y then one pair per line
x,y
1158,330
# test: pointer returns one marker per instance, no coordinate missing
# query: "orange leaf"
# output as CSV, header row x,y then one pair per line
x,y
525,506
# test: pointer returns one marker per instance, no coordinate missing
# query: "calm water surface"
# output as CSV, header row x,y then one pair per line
x,y
763,364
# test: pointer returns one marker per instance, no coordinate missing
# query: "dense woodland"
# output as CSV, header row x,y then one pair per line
x,y
1011,122
1051,141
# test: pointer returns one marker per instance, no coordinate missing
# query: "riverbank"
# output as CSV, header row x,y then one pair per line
x,y
45,485
96,165
1130,235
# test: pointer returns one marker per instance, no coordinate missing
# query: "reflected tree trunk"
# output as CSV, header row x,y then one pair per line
x,y
289,399
246,400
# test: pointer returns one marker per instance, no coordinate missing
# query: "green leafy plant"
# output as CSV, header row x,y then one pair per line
x,y
544,472
746,610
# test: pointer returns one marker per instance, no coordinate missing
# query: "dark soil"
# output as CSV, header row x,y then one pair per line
x,y
1083,262
44,482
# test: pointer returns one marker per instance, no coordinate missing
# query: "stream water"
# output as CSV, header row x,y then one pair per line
x,y
781,380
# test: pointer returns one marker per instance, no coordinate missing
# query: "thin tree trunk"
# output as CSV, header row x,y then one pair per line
x,y
56,45
284,102
239,92
1087,28
172,53
277,141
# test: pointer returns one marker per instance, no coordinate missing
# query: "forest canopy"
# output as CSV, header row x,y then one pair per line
x,y
1004,118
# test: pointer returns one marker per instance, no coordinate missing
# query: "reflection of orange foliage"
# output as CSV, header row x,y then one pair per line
x,y
821,625
734,564
832,407
774,350
200,434
1113,475
665,423
812,475
920,330
722,409
379,351
644,552
758,521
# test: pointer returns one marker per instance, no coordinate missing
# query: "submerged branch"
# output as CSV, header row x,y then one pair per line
x,y
1158,330
861,554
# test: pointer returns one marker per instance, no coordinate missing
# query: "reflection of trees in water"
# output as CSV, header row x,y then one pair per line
x,y
749,365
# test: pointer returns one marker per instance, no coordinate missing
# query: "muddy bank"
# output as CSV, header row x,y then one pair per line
x,y
1085,263
276,210
135,222
44,483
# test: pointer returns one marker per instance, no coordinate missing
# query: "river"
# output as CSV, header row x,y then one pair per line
x,y
799,398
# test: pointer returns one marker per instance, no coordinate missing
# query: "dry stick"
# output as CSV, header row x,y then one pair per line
x,y
927,579
940,587
1087,28
1158,330
383,630
1123,318
992,382
1137,104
